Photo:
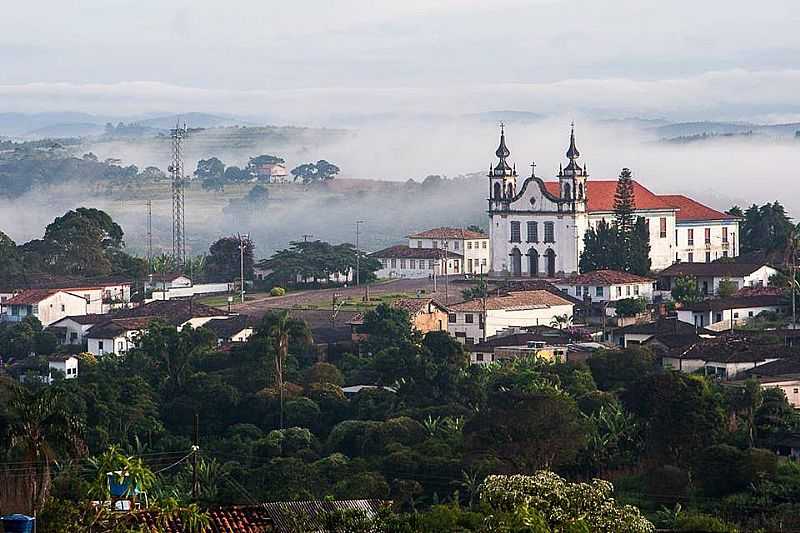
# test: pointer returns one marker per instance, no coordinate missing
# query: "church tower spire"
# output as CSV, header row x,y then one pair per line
x,y
502,177
572,178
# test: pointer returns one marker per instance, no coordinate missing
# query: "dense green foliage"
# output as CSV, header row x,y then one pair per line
x,y
225,260
315,261
623,245
429,431
766,229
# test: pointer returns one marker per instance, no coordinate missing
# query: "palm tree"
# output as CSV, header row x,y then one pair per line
x,y
41,429
561,321
279,333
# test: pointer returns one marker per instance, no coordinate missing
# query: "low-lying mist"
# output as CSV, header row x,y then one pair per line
x,y
718,171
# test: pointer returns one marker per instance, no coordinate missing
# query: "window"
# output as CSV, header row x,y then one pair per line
x,y
469,245
456,265
435,244
73,336
549,232
690,257
470,340
724,253
412,264
402,263
598,291
725,235
35,309
14,310
690,233
451,318
662,227
636,290
515,237
394,263
708,235
468,318
708,257
736,314
430,264
121,347
718,317
455,245
628,290
619,291
750,313
533,232
479,358
484,245
676,237
469,265
577,290
63,308
99,345
483,262
419,244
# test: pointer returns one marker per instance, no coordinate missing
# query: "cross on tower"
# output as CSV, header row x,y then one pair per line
x,y
502,126
533,168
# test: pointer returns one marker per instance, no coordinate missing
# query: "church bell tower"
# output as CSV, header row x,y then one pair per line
x,y
502,177
572,179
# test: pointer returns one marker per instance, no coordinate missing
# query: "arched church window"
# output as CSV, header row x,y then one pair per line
x,y
510,190
498,191
567,191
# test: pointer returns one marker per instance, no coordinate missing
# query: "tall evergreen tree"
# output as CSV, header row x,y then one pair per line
x,y
600,249
624,204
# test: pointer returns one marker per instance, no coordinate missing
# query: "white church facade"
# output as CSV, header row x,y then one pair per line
x,y
536,228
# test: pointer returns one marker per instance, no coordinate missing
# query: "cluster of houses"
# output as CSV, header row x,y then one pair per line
x,y
98,316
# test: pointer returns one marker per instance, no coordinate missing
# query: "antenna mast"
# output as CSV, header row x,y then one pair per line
x,y
178,134
149,234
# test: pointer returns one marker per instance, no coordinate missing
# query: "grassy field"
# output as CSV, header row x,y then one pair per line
x,y
221,300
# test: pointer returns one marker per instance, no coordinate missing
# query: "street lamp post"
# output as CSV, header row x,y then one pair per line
x,y
358,254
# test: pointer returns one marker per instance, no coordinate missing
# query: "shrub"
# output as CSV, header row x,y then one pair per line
x,y
631,306
703,522
277,291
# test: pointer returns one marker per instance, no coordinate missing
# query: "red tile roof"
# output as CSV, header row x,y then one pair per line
x,y
604,277
448,233
33,296
513,300
691,210
600,195
403,251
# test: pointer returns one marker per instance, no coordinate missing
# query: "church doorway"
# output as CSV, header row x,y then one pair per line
x,y
533,263
550,262
516,263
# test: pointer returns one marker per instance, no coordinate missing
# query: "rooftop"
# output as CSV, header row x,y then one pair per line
x,y
737,302
518,339
600,196
671,326
84,320
416,305
604,277
33,296
119,326
39,280
513,300
225,328
448,233
735,349
174,312
786,367
690,210
717,269
404,251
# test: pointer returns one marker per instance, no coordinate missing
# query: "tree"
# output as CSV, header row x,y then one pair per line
x,y
631,306
624,207
210,168
565,506
685,290
318,260
600,249
526,430
315,172
727,288
41,429
224,260
234,174
766,228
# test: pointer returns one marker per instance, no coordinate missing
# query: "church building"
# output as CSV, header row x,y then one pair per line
x,y
536,228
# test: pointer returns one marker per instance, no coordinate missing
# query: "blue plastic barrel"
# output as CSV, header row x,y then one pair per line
x,y
18,523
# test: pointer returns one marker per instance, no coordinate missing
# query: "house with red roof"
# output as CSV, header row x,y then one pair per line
x,y
472,245
607,286
536,227
48,305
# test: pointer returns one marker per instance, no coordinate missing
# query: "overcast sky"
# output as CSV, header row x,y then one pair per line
x,y
305,60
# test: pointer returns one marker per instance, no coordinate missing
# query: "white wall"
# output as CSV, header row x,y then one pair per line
x,y
715,317
684,365
401,268
69,367
498,319
63,304
609,292
183,292
716,248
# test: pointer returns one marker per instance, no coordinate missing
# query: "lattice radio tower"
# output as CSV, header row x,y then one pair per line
x,y
178,134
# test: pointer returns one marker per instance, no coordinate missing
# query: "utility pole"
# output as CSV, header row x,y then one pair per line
x,y
358,254
195,450
241,262
484,290
446,281
149,233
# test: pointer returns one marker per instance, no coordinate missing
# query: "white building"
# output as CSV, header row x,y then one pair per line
x,y
710,275
472,245
48,305
607,286
66,364
116,336
73,329
725,313
537,228
475,320
403,261
727,356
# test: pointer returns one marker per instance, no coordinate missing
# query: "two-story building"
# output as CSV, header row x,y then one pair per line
x,y
48,305
607,286
475,320
473,246
403,261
